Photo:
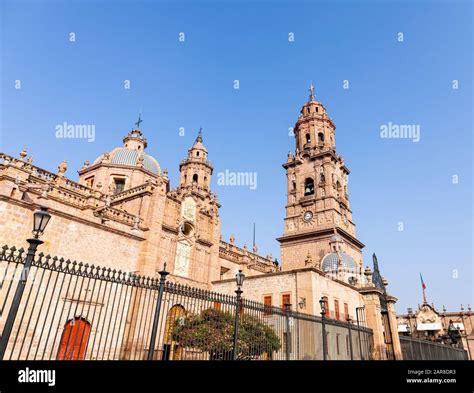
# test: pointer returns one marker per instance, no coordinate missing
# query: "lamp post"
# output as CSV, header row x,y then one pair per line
x,y
322,303
239,278
41,218
156,319
349,321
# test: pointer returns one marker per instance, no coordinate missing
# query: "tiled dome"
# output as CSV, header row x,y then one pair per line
x,y
124,156
331,262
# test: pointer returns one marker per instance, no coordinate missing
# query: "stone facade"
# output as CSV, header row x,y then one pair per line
x,y
431,324
318,195
305,287
124,214
321,256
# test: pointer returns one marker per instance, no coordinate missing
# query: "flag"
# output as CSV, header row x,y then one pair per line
x,y
423,285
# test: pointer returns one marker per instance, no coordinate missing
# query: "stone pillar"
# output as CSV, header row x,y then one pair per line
x,y
392,316
373,315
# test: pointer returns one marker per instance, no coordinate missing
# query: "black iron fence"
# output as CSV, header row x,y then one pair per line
x,y
417,349
75,311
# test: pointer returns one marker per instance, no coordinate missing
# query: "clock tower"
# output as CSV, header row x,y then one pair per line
x,y
319,230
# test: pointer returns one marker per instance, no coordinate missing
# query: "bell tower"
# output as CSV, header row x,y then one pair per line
x,y
196,169
318,195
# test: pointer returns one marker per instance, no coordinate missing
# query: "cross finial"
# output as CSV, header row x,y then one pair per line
x,y
311,91
139,121
199,137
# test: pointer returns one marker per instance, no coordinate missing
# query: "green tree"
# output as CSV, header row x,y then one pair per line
x,y
213,331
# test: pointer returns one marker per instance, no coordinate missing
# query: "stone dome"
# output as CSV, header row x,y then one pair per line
x,y
131,157
198,143
330,263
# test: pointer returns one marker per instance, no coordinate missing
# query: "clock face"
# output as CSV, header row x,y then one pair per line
x,y
308,216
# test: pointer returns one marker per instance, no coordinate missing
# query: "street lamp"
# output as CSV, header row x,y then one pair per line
x,y
322,303
41,218
239,279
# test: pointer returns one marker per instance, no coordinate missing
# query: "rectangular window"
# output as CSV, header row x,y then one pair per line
x,y
348,345
267,302
119,185
90,181
346,312
224,270
285,299
336,309
337,343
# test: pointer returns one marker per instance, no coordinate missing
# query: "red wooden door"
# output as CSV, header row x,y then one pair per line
x,y
74,340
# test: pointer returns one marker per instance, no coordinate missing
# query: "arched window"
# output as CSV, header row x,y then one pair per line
x,y
293,186
197,154
321,138
323,179
187,229
74,339
338,188
195,178
308,186
308,138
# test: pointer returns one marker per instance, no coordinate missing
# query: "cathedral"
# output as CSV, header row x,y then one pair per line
x,y
124,213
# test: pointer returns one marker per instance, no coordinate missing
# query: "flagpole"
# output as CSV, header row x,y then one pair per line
x,y
423,286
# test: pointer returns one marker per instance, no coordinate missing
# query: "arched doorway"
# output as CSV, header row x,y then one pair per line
x,y
172,350
74,339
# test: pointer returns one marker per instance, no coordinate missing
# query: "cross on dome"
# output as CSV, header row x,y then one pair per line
x,y
311,92
139,121
199,137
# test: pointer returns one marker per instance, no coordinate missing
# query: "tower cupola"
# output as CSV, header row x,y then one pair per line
x,y
196,169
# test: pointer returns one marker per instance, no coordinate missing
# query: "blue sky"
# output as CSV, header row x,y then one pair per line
x,y
191,84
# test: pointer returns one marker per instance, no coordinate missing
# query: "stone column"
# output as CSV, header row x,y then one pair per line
x,y
374,321
392,317
373,313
